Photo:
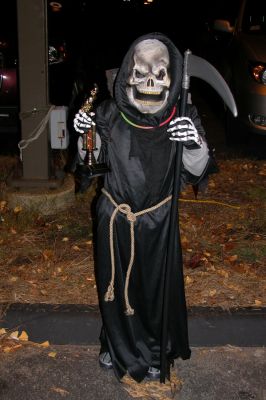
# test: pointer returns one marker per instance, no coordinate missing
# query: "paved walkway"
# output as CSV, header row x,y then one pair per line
x,y
72,372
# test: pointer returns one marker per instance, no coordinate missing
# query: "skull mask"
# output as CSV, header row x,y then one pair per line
x,y
149,81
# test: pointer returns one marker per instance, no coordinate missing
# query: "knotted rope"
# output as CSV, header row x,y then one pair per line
x,y
131,217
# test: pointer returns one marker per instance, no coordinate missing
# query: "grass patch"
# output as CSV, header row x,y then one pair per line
x,y
254,252
257,193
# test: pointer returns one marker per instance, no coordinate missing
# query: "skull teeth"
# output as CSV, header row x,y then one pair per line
x,y
152,93
148,103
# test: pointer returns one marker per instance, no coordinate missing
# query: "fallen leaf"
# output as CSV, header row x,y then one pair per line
x,y
59,390
195,261
3,204
232,258
8,349
258,302
23,336
184,241
76,248
52,354
152,389
232,286
211,184
2,331
17,209
188,280
48,254
45,344
14,335
223,273
229,245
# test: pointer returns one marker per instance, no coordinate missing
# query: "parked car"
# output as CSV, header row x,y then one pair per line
x,y
60,73
239,53
9,104
8,87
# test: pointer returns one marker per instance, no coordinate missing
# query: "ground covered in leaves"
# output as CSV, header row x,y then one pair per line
x,y
49,259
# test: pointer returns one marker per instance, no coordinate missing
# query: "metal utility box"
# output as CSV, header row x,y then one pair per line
x,y
59,134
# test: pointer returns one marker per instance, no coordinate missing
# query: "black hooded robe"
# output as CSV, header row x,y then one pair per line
x,y
141,164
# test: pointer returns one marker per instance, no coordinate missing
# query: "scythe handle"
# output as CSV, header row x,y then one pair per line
x,y
200,68
173,233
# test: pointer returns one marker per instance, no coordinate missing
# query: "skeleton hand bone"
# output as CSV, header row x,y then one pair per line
x,y
83,121
182,129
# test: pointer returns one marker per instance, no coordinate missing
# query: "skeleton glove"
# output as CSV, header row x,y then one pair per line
x,y
83,121
182,129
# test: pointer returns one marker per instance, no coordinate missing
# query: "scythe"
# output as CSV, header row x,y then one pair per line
x,y
200,68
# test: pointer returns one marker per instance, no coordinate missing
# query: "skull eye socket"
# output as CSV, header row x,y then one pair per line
x,y
161,74
138,74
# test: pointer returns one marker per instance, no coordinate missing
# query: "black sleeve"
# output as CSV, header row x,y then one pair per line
x,y
104,117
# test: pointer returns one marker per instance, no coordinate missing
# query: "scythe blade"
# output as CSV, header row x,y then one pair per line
x,y
200,68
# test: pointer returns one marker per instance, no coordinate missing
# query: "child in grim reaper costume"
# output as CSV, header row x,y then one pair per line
x,y
140,129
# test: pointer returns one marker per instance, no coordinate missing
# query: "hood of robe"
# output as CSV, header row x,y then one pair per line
x,y
120,94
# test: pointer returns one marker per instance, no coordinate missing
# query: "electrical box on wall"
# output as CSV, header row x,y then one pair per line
x,y
59,135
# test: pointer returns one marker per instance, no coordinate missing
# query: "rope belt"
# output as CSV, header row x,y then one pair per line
x,y
131,217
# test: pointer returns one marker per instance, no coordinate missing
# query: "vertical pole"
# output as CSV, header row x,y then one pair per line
x,y
33,83
174,231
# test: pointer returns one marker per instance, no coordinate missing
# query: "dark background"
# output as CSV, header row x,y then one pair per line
x,y
97,34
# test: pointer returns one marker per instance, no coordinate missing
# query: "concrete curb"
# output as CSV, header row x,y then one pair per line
x,y
81,324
